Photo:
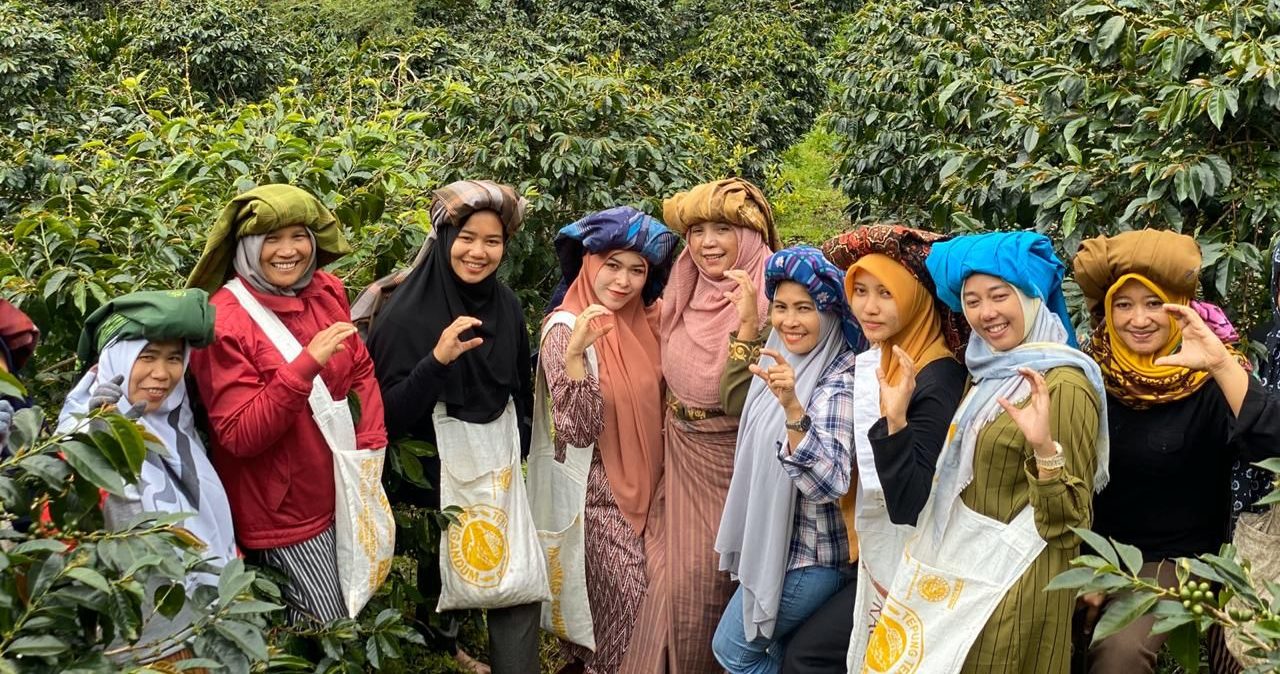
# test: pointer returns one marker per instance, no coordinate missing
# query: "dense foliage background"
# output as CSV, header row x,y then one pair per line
x,y
125,126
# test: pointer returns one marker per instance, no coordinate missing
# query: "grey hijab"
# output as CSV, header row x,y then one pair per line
x,y
248,264
756,527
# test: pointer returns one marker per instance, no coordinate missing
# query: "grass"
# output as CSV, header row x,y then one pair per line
x,y
806,207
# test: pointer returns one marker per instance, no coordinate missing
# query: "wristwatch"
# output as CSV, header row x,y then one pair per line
x,y
801,425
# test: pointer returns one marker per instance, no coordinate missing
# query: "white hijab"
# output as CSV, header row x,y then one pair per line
x,y
182,481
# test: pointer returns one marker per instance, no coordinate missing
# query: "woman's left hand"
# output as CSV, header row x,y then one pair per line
x,y
780,378
1033,420
1201,349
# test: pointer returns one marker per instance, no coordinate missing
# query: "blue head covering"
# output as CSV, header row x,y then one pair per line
x,y
618,228
825,282
1024,259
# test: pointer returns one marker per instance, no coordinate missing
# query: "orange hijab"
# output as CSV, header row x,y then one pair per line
x,y
630,376
921,332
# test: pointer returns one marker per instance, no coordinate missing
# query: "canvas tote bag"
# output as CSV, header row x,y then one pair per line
x,y
363,523
558,496
490,558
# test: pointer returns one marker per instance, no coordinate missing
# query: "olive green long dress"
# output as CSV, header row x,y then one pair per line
x,y
1030,631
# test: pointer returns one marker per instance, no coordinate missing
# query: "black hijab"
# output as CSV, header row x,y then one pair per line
x,y
482,380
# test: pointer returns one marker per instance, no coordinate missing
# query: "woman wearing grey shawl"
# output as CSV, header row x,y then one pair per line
x,y
782,535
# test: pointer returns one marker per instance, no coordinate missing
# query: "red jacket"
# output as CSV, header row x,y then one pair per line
x,y
273,461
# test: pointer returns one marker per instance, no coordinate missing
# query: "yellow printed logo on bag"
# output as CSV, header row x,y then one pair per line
x,y
555,574
478,545
897,643
937,589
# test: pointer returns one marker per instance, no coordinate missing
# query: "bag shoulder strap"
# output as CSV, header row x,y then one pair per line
x,y
280,336
543,425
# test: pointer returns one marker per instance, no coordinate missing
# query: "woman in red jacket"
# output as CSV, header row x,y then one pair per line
x,y
269,452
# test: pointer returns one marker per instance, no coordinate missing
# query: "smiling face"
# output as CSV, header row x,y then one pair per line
x,y
477,251
1139,318
993,311
795,316
714,247
620,279
155,373
874,307
286,254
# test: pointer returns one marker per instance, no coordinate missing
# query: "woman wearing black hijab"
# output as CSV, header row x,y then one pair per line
x,y
453,333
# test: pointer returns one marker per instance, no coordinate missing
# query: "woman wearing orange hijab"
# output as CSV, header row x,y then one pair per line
x,y
906,389
1182,409
600,355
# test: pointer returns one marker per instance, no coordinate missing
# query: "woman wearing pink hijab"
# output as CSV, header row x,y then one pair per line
x,y
729,234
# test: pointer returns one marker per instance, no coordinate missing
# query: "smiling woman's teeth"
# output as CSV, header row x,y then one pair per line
x,y
284,266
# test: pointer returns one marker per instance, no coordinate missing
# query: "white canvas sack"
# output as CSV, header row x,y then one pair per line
x,y
363,523
880,541
943,594
558,496
490,558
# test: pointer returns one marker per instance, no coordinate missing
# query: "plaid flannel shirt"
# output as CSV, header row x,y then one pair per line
x,y
820,467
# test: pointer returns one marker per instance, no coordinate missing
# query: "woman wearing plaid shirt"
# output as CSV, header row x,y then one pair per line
x,y
782,535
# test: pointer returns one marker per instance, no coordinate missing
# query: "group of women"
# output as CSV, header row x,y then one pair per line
x,y
864,457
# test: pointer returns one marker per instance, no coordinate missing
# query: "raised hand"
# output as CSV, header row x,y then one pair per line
x,y
451,345
586,330
330,341
895,398
1201,348
1033,420
780,379
744,299
107,394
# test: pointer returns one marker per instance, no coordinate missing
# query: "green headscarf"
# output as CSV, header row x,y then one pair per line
x,y
154,315
262,210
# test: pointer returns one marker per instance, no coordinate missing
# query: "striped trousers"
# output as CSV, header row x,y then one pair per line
x,y
311,567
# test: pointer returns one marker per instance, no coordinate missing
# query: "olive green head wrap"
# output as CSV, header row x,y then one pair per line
x,y
262,210
153,315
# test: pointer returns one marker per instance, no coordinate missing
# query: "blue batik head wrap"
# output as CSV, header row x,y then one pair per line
x,y
1024,259
618,228
825,282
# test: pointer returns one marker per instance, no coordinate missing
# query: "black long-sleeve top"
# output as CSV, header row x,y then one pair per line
x,y
1170,489
905,461
408,402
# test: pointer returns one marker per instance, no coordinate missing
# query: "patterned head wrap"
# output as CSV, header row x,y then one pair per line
x,y
908,247
1025,260
620,228
824,281
732,200
455,202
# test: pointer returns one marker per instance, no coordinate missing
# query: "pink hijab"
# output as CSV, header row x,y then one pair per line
x,y
697,319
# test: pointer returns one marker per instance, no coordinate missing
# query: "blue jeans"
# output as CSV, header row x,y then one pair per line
x,y
803,591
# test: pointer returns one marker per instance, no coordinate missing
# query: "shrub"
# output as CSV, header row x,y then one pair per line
x,y
1111,117
35,64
